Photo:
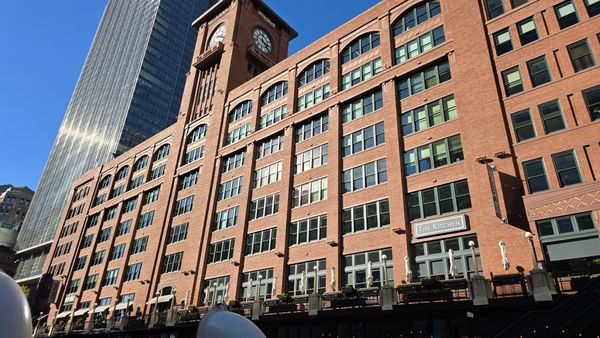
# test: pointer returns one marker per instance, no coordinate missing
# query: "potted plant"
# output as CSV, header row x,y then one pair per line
x,y
349,291
595,266
431,283
348,298
284,303
236,307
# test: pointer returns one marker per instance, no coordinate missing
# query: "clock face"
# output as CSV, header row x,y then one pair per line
x,y
262,40
218,35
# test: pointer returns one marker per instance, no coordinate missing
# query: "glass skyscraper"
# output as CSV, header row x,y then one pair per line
x,y
130,88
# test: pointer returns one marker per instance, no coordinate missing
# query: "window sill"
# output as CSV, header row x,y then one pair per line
x,y
361,232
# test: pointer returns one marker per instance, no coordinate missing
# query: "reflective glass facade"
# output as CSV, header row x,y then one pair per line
x,y
130,88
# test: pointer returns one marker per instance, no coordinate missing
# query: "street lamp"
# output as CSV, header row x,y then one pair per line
x,y
385,275
534,259
259,280
315,284
475,265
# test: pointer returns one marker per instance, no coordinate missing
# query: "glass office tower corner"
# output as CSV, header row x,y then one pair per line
x,y
130,88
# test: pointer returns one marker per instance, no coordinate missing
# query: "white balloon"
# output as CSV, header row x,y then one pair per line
x,y
219,323
15,316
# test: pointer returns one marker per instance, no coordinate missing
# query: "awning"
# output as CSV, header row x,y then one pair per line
x,y
123,306
63,314
81,312
101,308
161,299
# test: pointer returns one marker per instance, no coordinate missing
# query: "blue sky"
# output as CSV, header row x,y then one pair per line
x,y
44,47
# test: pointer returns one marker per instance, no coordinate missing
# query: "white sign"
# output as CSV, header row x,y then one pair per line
x,y
440,226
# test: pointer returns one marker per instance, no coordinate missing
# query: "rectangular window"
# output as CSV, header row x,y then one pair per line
x,y
133,272
420,45
238,133
193,155
267,175
145,220
233,161
513,83
92,221
80,264
566,14
117,252
523,125
110,213
98,257
110,278
272,117
100,199
250,282
226,218
117,191
527,31
301,278
503,42
592,100
264,206
567,169
178,233
151,195
73,286
538,71
172,262
87,241
362,106
136,182
310,192
312,158
494,8
311,128
216,290
570,225
90,282
269,146
130,205
432,114
308,230
123,228
592,7
433,155
356,268
230,188
420,81
260,241
439,200
517,3
362,73
552,117
157,172
104,235
221,251
365,176
431,258
366,216
241,110
312,98
535,175
139,245
183,206
363,139
187,180
581,55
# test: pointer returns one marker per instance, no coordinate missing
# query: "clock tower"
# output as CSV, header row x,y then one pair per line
x,y
237,40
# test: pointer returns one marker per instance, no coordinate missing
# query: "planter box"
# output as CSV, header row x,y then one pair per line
x,y
347,302
369,292
328,296
282,307
300,299
237,310
428,296
189,316
455,284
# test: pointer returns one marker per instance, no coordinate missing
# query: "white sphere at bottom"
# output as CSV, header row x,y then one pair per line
x,y
219,323
15,316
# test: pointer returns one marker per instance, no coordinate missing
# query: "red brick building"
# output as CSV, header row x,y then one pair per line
x,y
411,130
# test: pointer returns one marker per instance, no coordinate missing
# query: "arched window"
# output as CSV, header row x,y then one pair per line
x,y
122,173
162,152
141,163
197,134
360,46
274,93
241,110
105,182
313,72
417,15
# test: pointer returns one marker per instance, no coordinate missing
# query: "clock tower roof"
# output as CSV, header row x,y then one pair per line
x,y
260,5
